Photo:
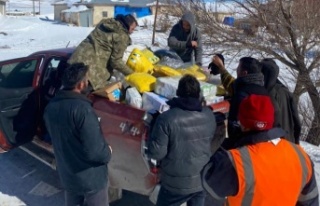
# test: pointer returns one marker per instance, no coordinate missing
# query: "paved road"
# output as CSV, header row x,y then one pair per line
x,y
25,181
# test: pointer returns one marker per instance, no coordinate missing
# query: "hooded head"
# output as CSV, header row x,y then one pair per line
x,y
270,71
188,21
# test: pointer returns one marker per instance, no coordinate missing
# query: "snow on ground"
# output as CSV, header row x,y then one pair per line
x,y
21,36
6,200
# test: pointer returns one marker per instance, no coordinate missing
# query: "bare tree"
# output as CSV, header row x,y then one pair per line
x,y
288,30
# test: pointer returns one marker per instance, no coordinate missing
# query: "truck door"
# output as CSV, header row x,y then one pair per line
x,y
17,89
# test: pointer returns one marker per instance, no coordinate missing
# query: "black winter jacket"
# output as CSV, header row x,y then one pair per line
x,y
289,117
181,139
79,146
180,41
242,90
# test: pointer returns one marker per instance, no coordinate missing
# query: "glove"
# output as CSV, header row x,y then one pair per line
x,y
214,69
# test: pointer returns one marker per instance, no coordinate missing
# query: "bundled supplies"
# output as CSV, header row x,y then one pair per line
x,y
198,74
142,81
133,97
150,56
152,102
153,74
139,63
167,87
162,70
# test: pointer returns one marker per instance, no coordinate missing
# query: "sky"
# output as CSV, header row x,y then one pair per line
x,y
21,36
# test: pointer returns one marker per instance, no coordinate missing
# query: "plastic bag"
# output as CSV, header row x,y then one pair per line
x,y
150,56
163,70
142,81
167,86
133,97
139,63
161,53
169,58
201,76
171,62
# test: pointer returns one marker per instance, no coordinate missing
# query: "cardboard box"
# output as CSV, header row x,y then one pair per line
x,y
152,102
111,92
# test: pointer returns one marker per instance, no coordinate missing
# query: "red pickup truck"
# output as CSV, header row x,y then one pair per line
x,y
123,126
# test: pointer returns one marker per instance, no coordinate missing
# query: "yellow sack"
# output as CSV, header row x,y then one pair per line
x,y
150,56
138,62
142,81
166,71
193,67
196,73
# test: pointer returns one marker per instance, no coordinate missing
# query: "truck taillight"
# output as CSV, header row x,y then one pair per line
x,y
154,170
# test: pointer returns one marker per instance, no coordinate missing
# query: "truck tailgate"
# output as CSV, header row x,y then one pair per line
x,y
124,130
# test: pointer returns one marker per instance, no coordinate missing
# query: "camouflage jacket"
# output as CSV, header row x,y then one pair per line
x,y
102,51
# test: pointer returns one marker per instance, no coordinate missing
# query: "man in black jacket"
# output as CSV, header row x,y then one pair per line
x,y
185,39
249,81
80,150
287,116
181,139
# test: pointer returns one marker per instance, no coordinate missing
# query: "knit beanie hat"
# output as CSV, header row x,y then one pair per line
x,y
256,112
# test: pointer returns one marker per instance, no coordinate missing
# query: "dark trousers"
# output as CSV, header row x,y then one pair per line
x,y
167,198
99,198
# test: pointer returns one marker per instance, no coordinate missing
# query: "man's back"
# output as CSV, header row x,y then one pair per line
x,y
187,138
102,51
289,165
288,112
79,147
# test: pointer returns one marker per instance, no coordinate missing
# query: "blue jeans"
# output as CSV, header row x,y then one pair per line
x,y
167,198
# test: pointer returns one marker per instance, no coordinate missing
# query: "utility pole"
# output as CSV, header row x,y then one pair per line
x,y
216,10
39,8
155,22
33,8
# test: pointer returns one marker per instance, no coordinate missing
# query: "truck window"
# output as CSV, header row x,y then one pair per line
x,y
51,68
18,74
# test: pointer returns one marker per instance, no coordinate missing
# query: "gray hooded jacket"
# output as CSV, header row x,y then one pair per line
x,y
180,41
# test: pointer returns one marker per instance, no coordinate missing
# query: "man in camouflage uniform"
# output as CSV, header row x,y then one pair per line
x,y
103,49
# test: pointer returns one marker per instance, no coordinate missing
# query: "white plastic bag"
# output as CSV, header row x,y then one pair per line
x,y
133,97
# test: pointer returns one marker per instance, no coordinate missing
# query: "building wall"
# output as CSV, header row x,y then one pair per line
x,y
70,17
85,18
2,7
57,11
98,12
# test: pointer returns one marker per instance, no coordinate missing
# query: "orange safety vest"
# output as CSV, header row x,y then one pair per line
x,y
270,174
